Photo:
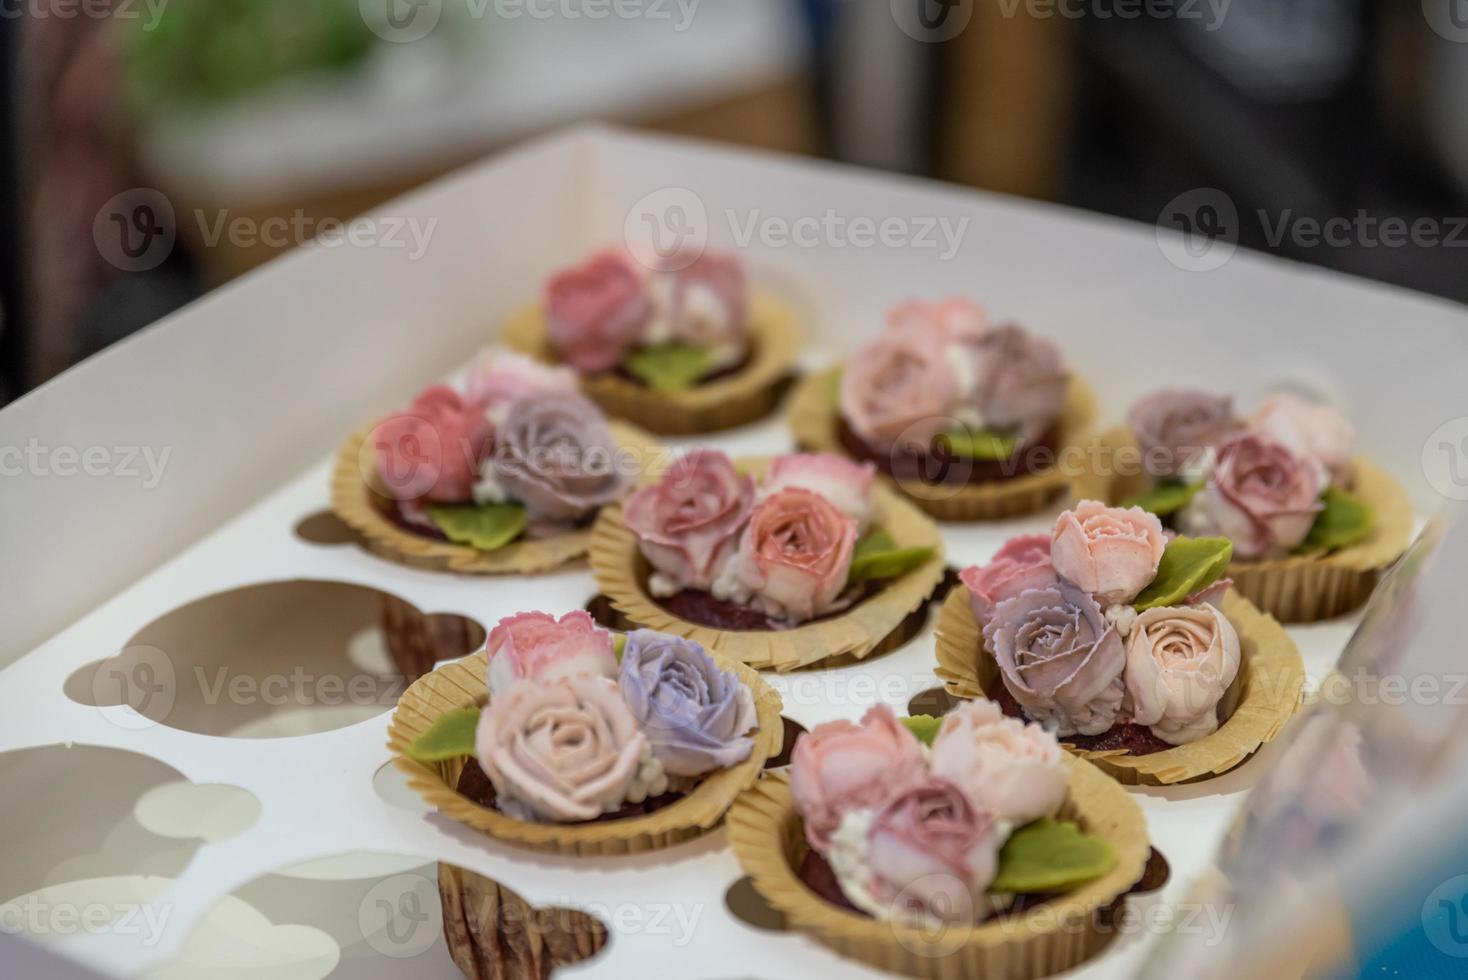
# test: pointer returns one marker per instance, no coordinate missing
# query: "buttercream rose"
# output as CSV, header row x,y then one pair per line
x,y
556,455
1260,496
960,319
433,450
688,522
500,377
1179,661
839,766
1109,551
564,751
1022,563
1175,429
928,852
795,556
705,303
1010,769
1022,381
538,647
695,715
596,311
1308,429
1060,658
899,385
844,483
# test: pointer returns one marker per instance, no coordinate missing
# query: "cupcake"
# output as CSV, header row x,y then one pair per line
x,y
971,420
502,475
1128,645
1312,525
970,847
776,563
680,345
561,736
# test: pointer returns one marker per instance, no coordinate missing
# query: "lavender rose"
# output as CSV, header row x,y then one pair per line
x,y
695,715
1174,429
556,455
565,750
1059,658
1021,383
1260,496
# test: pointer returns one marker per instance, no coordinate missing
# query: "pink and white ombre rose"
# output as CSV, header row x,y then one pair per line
x,y
688,522
536,646
846,484
501,377
704,303
1179,663
1022,563
1013,770
795,556
1110,552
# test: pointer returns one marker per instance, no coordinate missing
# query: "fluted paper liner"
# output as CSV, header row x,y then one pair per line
x,y
356,503
462,685
1301,588
621,574
815,420
750,393
1265,694
494,934
768,838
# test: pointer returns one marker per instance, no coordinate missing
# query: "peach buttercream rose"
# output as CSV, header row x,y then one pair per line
x,y
1179,662
794,558
539,647
1111,552
1015,771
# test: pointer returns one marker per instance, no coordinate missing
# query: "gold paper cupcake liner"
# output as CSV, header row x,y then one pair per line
x,y
814,419
462,685
1301,588
748,394
767,836
621,574
356,503
1265,694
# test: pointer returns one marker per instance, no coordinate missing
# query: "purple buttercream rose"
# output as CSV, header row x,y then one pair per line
x,y
1022,381
1060,658
1174,428
695,715
556,456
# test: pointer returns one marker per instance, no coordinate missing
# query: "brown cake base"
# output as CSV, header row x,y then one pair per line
x,y
940,467
1135,739
475,785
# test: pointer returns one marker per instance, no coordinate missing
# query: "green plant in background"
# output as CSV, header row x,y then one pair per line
x,y
203,53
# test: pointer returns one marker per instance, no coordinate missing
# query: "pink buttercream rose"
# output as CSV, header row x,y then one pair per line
x,y
1260,496
960,319
1109,551
1014,770
433,451
500,377
1179,662
596,311
1022,563
1310,429
900,385
688,522
844,483
538,647
1022,381
931,852
796,554
839,766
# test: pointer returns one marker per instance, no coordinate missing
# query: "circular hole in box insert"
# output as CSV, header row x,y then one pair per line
x,y
274,660
82,813
326,529
747,905
793,730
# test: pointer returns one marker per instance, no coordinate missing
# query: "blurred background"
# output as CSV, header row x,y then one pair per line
x,y
149,143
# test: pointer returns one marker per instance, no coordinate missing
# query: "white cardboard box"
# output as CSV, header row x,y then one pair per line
x,y
240,400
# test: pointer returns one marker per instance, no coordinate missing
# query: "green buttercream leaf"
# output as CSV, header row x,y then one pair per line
x,y
673,366
1344,521
1188,565
981,444
876,556
450,737
482,526
619,643
1050,856
925,727
1167,497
